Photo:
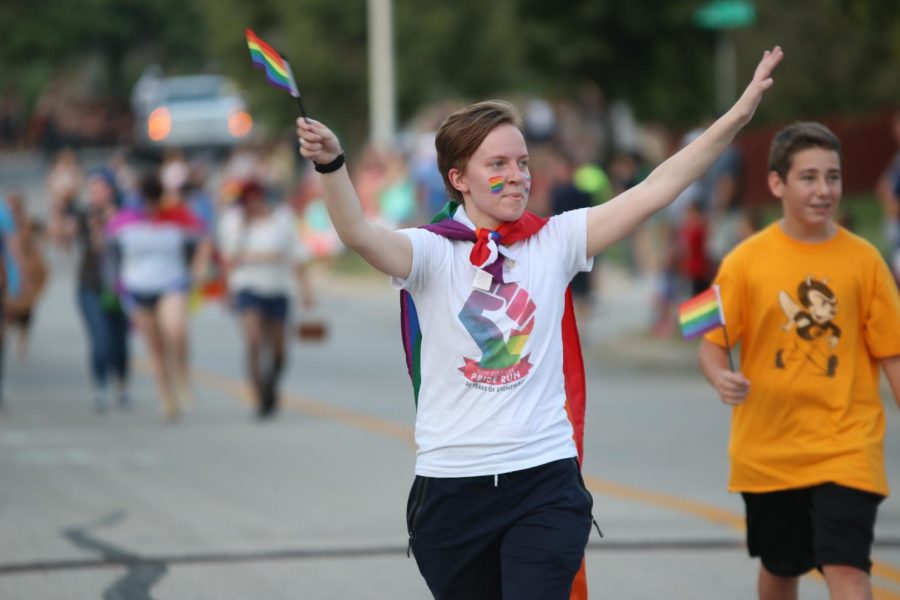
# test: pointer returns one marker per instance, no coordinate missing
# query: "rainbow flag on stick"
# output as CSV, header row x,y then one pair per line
x,y
278,70
701,314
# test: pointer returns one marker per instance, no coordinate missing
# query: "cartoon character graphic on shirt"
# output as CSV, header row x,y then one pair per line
x,y
501,363
816,336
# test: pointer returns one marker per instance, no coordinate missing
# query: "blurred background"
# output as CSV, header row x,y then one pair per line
x,y
611,86
601,80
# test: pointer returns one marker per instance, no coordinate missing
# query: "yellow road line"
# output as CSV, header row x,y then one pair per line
x,y
708,512
239,388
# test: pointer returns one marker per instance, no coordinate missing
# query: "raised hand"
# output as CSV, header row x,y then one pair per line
x,y
317,142
762,81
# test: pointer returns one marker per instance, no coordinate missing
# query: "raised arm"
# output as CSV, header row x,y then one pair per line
x,y
385,249
613,220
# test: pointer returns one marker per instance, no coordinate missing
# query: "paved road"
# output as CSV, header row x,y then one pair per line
x,y
219,506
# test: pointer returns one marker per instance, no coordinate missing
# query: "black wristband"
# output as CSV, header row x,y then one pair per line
x,y
331,167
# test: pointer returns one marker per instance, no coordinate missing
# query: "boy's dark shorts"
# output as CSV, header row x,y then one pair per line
x,y
793,531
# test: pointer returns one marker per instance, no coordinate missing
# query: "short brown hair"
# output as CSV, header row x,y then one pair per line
x,y
150,187
460,135
796,138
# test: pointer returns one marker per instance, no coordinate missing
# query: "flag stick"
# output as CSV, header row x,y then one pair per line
x,y
294,91
302,110
728,348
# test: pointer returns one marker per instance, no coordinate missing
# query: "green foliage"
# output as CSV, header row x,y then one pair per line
x,y
456,50
46,39
323,40
841,55
647,53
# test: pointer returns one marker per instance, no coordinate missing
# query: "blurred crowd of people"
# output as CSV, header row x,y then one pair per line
x,y
888,192
156,241
153,242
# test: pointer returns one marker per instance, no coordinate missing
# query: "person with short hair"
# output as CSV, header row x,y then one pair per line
x,y
816,312
498,507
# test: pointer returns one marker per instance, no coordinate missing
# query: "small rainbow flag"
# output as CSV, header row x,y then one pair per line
x,y
278,71
701,313
496,184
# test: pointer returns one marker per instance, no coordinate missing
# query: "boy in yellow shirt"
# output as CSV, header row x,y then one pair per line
x,y
816,311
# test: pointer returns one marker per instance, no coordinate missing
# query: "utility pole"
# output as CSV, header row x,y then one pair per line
x,y
382,93
724,16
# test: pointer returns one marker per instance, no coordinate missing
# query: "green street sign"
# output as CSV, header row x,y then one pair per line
x,y
725,14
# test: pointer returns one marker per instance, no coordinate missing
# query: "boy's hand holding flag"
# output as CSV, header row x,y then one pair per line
x,y
699,315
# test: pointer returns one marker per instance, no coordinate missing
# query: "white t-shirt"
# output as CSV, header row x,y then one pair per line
x,y
153,247
273,234
492,395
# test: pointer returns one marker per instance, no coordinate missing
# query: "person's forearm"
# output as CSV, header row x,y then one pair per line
x,y
667,180
674,175
345,209
201,261
891,367
713,360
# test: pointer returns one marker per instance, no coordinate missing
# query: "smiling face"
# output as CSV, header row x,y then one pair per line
x,y
810,192
495,182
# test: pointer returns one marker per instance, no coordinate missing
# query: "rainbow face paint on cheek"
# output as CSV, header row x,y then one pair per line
x,y
496,184
526,183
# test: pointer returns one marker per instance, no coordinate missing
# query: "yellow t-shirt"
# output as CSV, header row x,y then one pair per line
x,y
812,320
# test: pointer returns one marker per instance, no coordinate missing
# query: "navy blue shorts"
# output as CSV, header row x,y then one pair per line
x,y
793,531
150,300
146,301
273,308
515,535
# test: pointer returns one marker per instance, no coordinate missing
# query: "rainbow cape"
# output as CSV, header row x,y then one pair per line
x,y
278,71
701,314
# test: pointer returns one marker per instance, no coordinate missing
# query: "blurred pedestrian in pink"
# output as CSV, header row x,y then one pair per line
x,y
158,250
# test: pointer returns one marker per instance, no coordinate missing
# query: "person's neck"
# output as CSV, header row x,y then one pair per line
x,y
800,233
481,220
